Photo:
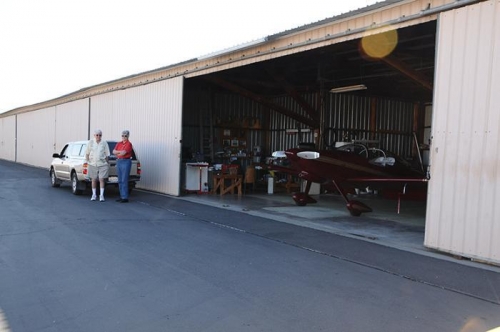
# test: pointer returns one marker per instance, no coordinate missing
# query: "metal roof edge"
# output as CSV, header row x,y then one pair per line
x,y
328,20
134,75
18,110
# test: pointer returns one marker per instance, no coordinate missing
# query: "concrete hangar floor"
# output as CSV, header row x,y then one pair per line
x,y
404,230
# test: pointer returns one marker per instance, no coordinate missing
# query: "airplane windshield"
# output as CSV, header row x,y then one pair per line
x,y
376,156
358,149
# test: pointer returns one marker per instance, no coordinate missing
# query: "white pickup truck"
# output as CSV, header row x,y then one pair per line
x,y
70,165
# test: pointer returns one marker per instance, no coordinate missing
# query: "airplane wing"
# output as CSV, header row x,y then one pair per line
x,y
382,161
402,179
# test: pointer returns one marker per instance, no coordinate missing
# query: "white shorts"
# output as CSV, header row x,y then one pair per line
x,y
98,172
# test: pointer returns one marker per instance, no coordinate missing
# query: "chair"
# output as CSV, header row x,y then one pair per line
x,y
249,177
233,170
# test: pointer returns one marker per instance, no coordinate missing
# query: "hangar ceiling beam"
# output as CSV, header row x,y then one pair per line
x,y
262,100
408,71
295,95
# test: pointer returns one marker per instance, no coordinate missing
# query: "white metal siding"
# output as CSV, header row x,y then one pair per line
x,y
72,122
8,138
463,214
35,137
153,114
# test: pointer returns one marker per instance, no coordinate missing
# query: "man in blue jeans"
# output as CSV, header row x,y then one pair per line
x,y
123,153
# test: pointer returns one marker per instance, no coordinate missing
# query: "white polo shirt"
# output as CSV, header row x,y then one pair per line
x,y
97,152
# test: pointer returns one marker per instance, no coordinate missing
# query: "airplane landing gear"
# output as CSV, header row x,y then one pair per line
x,y
302,199
356,208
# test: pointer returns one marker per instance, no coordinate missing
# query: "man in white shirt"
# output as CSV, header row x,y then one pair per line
x,y
97,154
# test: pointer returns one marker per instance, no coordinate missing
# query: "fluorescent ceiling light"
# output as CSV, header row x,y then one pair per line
x,y
348,88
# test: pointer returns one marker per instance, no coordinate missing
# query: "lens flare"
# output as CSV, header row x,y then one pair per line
x,y
380,42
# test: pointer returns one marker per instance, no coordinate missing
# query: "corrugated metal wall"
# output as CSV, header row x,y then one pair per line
x,y
36,137
71,123
463,214
41,133
153,115
350,118
388,122
347,117
206,114
282,128
8,138
395,126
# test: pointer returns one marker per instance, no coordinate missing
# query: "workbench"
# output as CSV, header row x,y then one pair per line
x,y
235,182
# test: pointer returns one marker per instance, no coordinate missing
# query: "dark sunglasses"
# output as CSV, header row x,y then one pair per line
x,y
98,134
124,135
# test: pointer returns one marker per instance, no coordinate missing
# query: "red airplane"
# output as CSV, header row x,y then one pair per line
x,y
348,167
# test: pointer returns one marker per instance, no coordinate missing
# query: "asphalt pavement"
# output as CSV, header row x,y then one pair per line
x,y
167,264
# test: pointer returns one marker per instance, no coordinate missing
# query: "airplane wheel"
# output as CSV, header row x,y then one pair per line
x,y
300,198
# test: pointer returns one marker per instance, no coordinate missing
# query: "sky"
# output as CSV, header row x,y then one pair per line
x,y
51,48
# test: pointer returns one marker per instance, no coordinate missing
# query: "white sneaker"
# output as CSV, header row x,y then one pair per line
x,y
101,198
94,197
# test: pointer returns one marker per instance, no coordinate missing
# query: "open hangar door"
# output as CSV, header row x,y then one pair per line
x,y
463,214
287,100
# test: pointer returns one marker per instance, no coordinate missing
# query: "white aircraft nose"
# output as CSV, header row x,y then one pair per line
x,y
279,154
308,154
